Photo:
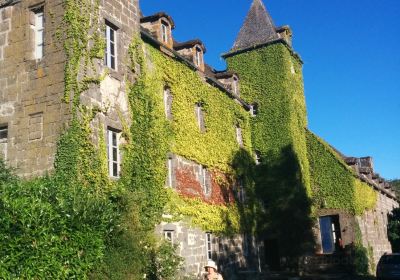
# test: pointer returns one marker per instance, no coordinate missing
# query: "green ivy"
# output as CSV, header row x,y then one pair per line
x,y
334,184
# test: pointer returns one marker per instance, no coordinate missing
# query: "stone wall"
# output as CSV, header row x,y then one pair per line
x,y
31,90
373,226
111,95
238,256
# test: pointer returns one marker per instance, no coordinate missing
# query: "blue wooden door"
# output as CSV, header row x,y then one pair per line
x,y
325,224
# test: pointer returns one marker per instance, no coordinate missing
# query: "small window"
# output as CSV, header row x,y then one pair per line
x,y
169,236
168,103
239,136
164,32
241,193
200,117
170,175
257,157
247,244
235,86
3,133
39,33
110,59
113,152
209,245
254,109
204,180
198,57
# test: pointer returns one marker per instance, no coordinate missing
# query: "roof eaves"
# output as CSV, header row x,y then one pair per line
x,y
272,42
4,3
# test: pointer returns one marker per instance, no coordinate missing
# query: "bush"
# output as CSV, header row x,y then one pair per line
x,y
49,230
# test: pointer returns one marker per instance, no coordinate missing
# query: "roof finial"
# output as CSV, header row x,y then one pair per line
x,y
258,27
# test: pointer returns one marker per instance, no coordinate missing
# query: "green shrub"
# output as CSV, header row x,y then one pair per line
x,y
49,230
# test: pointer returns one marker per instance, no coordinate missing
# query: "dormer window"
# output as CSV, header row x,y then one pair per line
x,y
235,86
198,59
164,32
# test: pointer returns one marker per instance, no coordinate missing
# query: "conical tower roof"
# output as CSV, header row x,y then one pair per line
x,y
258,28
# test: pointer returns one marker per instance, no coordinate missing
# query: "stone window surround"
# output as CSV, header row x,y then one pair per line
x,y
116,74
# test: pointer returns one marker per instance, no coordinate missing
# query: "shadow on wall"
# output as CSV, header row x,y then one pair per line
x,y
278,211
279,183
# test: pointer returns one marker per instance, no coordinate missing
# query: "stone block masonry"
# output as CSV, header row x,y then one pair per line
x,y
31,89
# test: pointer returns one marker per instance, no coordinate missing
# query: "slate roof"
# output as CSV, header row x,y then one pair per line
x,y
157,16
189,44
258,28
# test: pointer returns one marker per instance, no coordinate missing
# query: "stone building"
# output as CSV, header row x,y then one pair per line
x,y
239,143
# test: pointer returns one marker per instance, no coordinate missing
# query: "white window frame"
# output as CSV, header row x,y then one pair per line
x,y
170,172
111,145
167,104
111,42
257,157
235,86
169,236
254,109
39,33
164,32
239,135
203,180
200,117
198,56
209,247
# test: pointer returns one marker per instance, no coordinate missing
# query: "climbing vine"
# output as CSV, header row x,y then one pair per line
x,y
334,184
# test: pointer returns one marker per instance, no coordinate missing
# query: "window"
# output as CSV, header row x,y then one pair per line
x,y
39,33
209,245
254,109
200,117
235,86
113,152
169,236
164,32
204,180
257,156
168,103
3,133
240,191
239,137
247,242
198,59
111,46
170,167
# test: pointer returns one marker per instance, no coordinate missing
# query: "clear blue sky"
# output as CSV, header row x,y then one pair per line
x,y
351,54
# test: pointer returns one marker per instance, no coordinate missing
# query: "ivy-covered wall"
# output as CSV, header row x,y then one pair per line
x,y
271,77
155,135
334,184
